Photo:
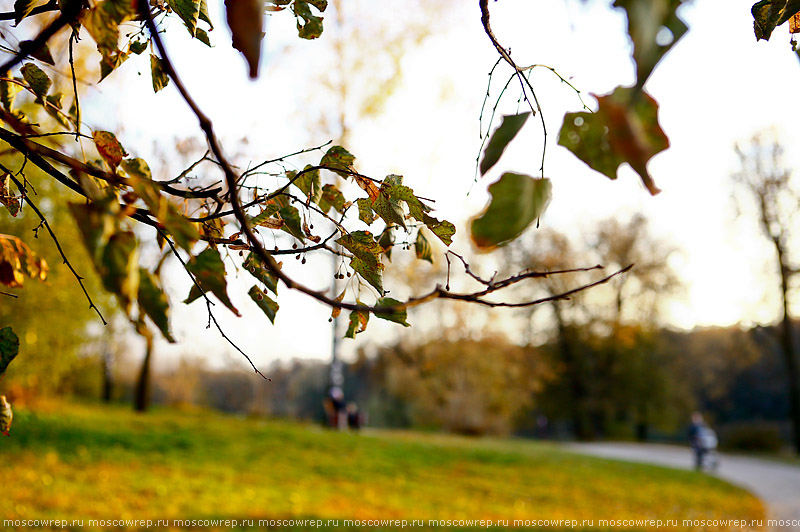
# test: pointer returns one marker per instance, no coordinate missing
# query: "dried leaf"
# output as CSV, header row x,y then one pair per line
x,y
246,21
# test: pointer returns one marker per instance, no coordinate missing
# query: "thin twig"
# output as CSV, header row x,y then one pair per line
x,y
32,205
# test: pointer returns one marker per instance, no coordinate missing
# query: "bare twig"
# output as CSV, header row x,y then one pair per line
x,y
32,205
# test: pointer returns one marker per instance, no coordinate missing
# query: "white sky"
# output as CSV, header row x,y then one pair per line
x,y
716,87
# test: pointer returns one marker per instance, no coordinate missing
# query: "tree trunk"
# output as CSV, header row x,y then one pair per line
x,y
581,424
141,399
790,358
108,384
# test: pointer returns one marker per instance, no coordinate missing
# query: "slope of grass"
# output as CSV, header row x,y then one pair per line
x,y
90,462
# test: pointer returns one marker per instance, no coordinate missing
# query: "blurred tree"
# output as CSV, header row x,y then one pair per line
x,y
465,386
771,188
607,366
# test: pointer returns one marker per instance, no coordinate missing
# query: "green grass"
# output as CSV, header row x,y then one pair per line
x,y
89,462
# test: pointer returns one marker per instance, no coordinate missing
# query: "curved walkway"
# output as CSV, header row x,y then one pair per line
x,y
776,483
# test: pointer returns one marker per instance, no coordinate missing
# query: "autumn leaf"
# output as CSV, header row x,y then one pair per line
x,y
265,303
18,261
358,322
624,129
504,134
366,257
209,272
37,79
246,21
157,72
109,148
423,248
517,200
398,315
153,302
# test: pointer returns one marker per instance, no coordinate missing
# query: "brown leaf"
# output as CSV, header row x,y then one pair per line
x,y
109,148
246,21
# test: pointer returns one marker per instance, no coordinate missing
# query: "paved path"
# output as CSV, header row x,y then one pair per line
x,y
776,483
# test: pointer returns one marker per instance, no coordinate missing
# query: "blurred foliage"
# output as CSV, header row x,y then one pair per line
x,y
52,318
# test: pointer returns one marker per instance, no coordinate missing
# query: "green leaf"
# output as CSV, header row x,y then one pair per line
x,y
109,148
366,257
202,36
246,21
119,267
22,8
159,75
339,160
624,129
646,20
365,213
331,197
293,224
500,138
416,208
37,79
311,25
397,315
264,302
189,11
182,230
270,210
517,200
423,248
444,230
103,23
154,302
137,47
388,208
9,348
256,268
308,182
358,322
209,272
768,14
386,241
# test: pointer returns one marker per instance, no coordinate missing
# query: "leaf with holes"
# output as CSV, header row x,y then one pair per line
x,y
109,148
311,25
246,22
504,134
366,257
209,272
517,200
624,129
264,302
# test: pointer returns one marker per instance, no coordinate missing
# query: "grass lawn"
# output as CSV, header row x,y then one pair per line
x,y
73,461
